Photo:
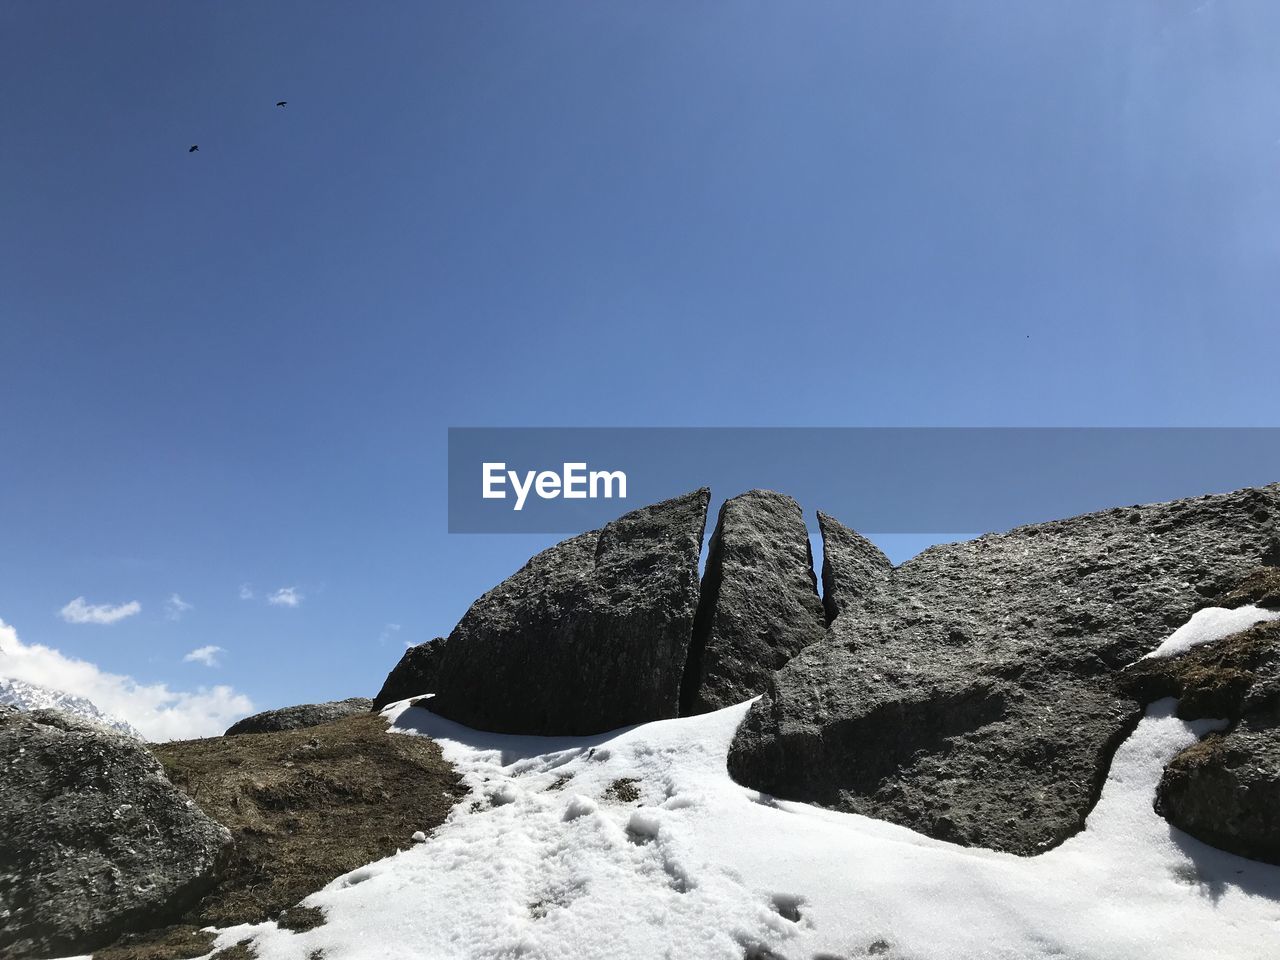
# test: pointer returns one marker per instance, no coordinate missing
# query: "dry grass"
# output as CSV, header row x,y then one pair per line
x,y
305,806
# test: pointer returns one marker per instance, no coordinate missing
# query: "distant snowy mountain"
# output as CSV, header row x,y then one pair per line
x,y
30,696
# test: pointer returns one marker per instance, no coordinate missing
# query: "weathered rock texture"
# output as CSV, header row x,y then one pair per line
x,y
299,716
759,604
94,840
1260,588
852,567
1225,790
590,635
973,695
1234,678
414,675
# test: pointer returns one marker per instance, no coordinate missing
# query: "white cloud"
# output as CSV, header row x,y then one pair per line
x,y
175,607
80,610
206,655
159,712
246,592
285,597
388,631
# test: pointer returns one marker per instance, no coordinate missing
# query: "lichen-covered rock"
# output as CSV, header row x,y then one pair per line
x,y
1261,588
1225,790
1233,677
414,675
94,840
301,715
759,603
974,695
590,635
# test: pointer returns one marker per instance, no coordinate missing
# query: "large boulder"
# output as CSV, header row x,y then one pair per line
x,y
299,716
592,634
94,840
1225,790
414,675
973,693
759,603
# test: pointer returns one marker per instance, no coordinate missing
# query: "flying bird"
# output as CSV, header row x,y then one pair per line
x,y
281,103
193,148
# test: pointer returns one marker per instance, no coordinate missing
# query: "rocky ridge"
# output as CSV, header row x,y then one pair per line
x,y
973,693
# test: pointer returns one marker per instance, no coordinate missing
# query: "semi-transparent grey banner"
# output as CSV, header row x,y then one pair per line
x,y
876,480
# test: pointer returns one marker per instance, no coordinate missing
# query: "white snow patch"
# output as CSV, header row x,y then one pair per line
x,y
700,867
1210,624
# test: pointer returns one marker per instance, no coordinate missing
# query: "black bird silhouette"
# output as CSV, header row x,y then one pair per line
x,y
281,103
193,148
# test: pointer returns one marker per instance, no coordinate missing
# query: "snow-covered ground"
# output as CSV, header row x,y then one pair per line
x,y
552,857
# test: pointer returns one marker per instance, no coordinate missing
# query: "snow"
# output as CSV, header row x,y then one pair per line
x,y
1210,624
545,860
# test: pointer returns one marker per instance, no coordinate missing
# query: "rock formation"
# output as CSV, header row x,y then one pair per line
x,y
759,603
302,715
973,692
94,839
590,635
852,567
1225,790
414,675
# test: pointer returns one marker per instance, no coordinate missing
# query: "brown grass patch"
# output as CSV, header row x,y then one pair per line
x,y
305,806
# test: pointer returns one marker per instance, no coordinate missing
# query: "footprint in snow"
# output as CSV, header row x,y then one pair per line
x,y
787,906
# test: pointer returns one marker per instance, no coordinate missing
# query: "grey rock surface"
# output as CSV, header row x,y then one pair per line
x,y
414,675
1225,790
301,715
1235,678
590,635
1261,588
94,840
973,695
853,568
759,603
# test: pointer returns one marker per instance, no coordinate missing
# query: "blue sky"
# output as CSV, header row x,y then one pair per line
x,y
237,366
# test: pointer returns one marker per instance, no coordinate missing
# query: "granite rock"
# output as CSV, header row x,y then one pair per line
x,y
590,635
1225,790
414,675
974,694
759,604
94,840
299,716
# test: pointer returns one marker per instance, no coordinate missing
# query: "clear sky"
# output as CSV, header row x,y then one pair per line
x,y
235,368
